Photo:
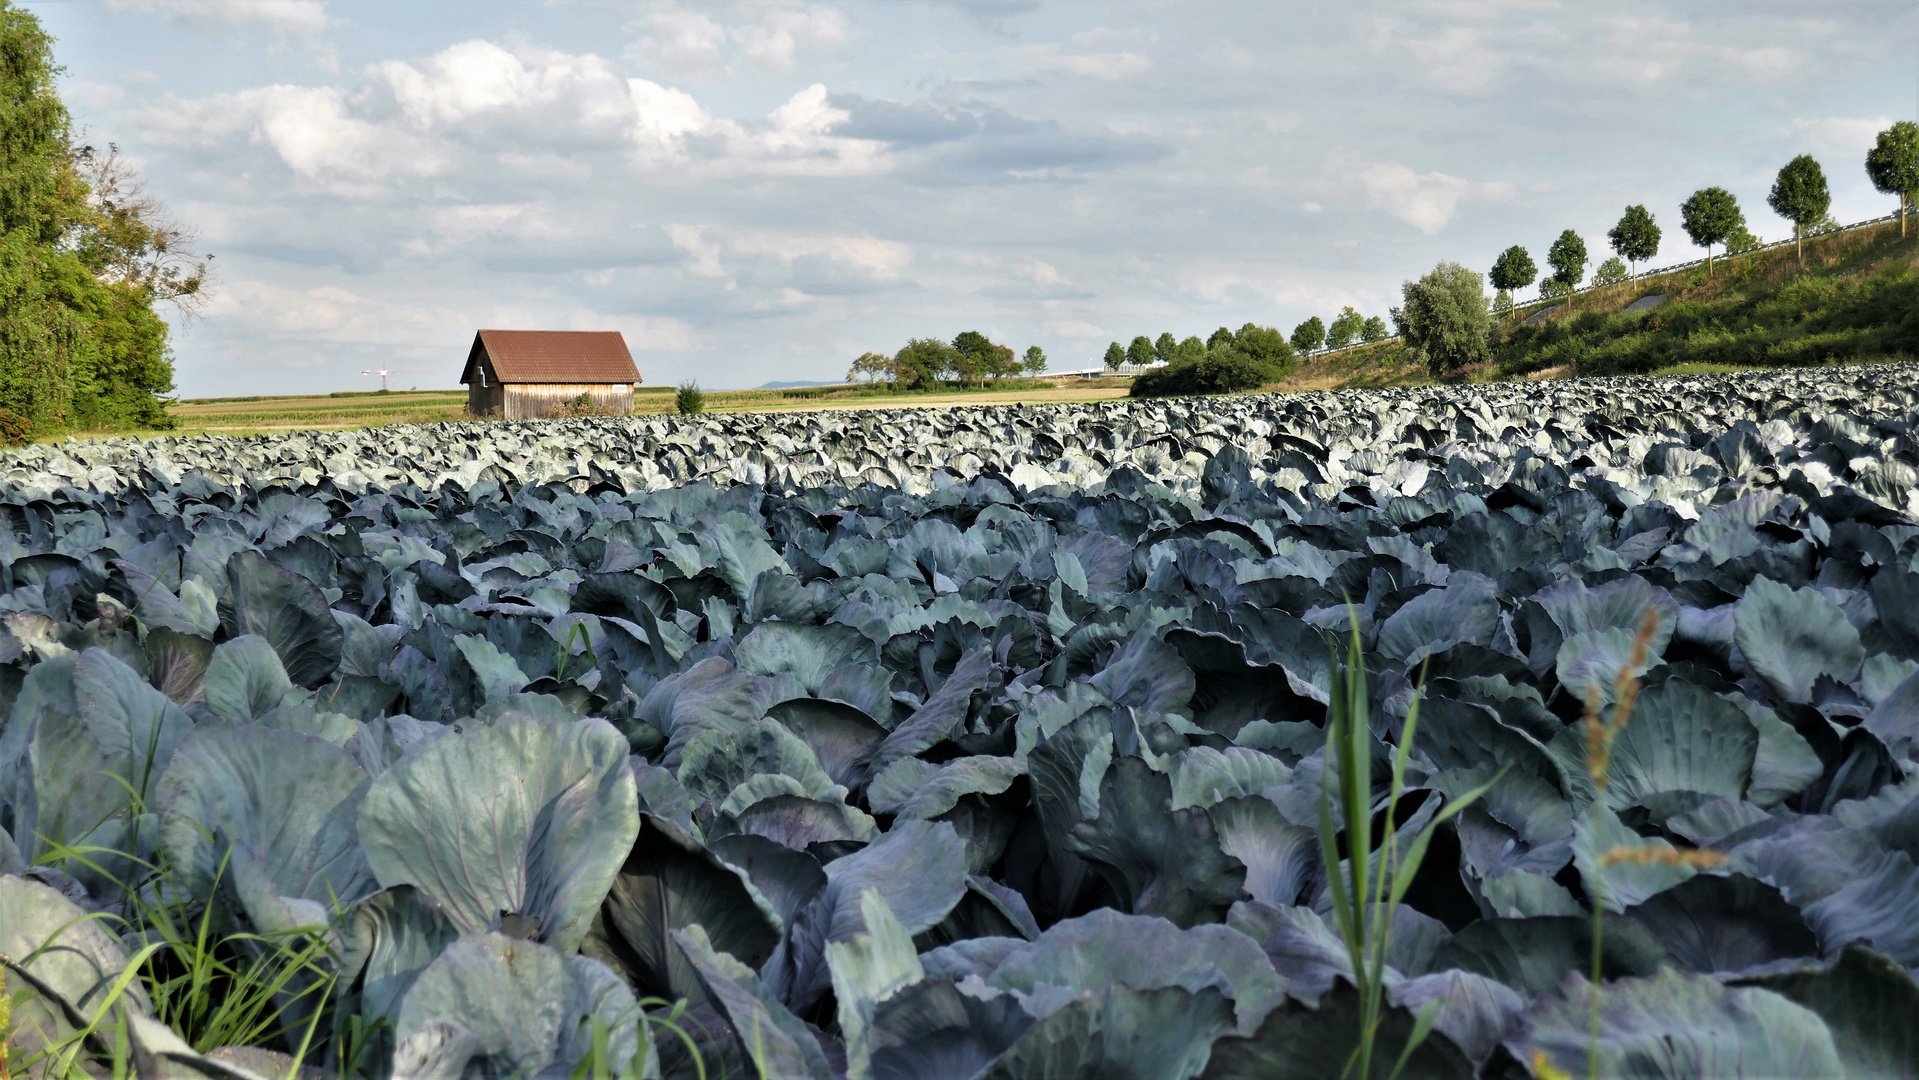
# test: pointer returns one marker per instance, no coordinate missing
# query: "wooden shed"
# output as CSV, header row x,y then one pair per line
x,y
528,374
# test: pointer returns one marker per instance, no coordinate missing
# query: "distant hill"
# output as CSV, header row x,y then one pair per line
x,y
798,382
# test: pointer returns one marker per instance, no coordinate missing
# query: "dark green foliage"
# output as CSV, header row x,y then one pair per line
x,y
690,399
1221,336
1141,353
1218,371
1266,345
1568,259
1164,346
1811,319
1373,330
1610,272
1309,335
1514,269
1799,195
923,362
1711,216
1446,318
975,357
1115,356
1190,348
1636,237
1893,165
1035,360
1345,329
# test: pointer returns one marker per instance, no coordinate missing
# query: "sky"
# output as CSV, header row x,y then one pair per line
x,y
755,192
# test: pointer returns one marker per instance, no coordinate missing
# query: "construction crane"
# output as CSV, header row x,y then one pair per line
x,y
383,371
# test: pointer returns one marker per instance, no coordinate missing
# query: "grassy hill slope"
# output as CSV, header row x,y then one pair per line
x,y
1855,300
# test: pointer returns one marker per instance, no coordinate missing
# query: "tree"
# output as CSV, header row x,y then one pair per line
x,y
1309,335
1514,269
1345,328
1141,353
85,255
1034,361
1610,272
1502,302
1221,336
1711,216
1445,317
923,362
872,367
1115,356
1266,346
979,358
1799,195
1567,257
1188,350
1374,330
1163,347
1742,239
1893,165
1636,237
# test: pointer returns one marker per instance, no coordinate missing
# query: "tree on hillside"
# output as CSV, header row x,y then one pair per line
x,y
1163,347
1799,195
1140,352
1309,335
1221,336
1711,216
1115,356
1610,272
1266,346
1502,302
1445,317
1373,330
1893,165
1189,349
1035,360
1567,257
1742,239
85,255
1636,237
1345,328
1514,269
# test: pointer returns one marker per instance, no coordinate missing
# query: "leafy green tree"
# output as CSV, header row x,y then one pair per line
x,y
1799,195
1115,356
1141,353
1636,237
1374,330
1188,350
1345,328
1610,272
1266,346
1552,289
1893,165
1742,239
979,358
1567,257
1221,336
872,367
1309,335
1034,361
1711,216
924,362
1502,302
1164,346
84,257
1446,317
1514,269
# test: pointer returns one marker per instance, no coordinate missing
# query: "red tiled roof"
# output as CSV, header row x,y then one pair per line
x,y
553,356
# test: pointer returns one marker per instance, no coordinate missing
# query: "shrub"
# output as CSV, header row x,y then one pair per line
x,y
15,430
690,399
1220,371
1447,318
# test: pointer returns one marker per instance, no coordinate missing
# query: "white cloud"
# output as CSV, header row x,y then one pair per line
x,y
1092,65
1838,134
335,315
279,16
1426,201
772,42
1044,274
869,256
452,226
683,41
706,254
1072,329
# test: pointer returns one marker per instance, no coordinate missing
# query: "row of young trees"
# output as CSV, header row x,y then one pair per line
x,y
924,363
1445,314
1346,328
85,257
1262,343
1712,217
